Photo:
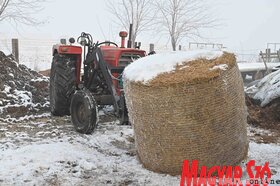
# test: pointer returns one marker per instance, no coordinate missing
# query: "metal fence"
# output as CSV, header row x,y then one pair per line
x,y
37,53
34,53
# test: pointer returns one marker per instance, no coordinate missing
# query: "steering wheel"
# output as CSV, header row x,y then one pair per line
x,y
106,42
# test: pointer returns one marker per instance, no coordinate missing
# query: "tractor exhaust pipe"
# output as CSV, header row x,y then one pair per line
x,y
129,42
123,35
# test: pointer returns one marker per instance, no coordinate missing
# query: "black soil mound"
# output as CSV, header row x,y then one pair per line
x,y
22,90
267,117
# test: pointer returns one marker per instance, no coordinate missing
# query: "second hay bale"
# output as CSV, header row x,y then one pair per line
x,y
196,112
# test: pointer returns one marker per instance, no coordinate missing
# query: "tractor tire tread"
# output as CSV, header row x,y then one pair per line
x,y
62,84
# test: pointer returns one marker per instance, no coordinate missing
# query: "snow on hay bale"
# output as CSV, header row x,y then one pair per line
x,y
187,105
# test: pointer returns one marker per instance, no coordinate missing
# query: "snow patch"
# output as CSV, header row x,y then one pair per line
x,y
42,79
78,159
11,75
220,67
147,68
25,97
183,67
24,118
249,67
267,89
7,89
262,153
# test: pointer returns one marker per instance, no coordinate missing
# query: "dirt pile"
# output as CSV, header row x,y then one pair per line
x,y
266,117
263,102
22,90
46,73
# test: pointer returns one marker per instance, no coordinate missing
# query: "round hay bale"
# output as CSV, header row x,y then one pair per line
x,y
194,112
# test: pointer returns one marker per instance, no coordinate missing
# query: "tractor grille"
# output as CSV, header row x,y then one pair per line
x,y
127,58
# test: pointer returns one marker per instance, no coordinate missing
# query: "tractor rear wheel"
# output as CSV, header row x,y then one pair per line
x,y
62,84
84,112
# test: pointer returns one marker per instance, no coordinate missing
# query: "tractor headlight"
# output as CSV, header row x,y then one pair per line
x,y
83,41
72,40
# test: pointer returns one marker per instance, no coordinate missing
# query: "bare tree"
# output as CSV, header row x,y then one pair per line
x,y
182,19
21,11
137,12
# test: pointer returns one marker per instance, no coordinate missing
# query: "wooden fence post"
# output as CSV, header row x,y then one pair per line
x,y
268,52
152,47
180,47
15,49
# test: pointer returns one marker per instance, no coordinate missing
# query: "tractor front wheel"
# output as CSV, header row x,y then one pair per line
x,y
83,112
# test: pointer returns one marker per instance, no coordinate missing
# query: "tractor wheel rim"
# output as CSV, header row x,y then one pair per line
x,y
81,115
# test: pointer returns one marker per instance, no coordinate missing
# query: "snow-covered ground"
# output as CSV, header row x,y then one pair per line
x,y
47,151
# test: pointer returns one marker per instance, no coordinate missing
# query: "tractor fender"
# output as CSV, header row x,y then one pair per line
x,y
66,49
74,51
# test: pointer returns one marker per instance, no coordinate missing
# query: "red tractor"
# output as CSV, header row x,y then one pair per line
x,y
80,93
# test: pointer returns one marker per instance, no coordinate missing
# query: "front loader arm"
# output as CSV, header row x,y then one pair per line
x,y
100,67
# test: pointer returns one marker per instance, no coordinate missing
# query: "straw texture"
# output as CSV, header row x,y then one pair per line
x,y
192,113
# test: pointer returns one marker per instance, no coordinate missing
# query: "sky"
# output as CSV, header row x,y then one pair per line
x,y
247,25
